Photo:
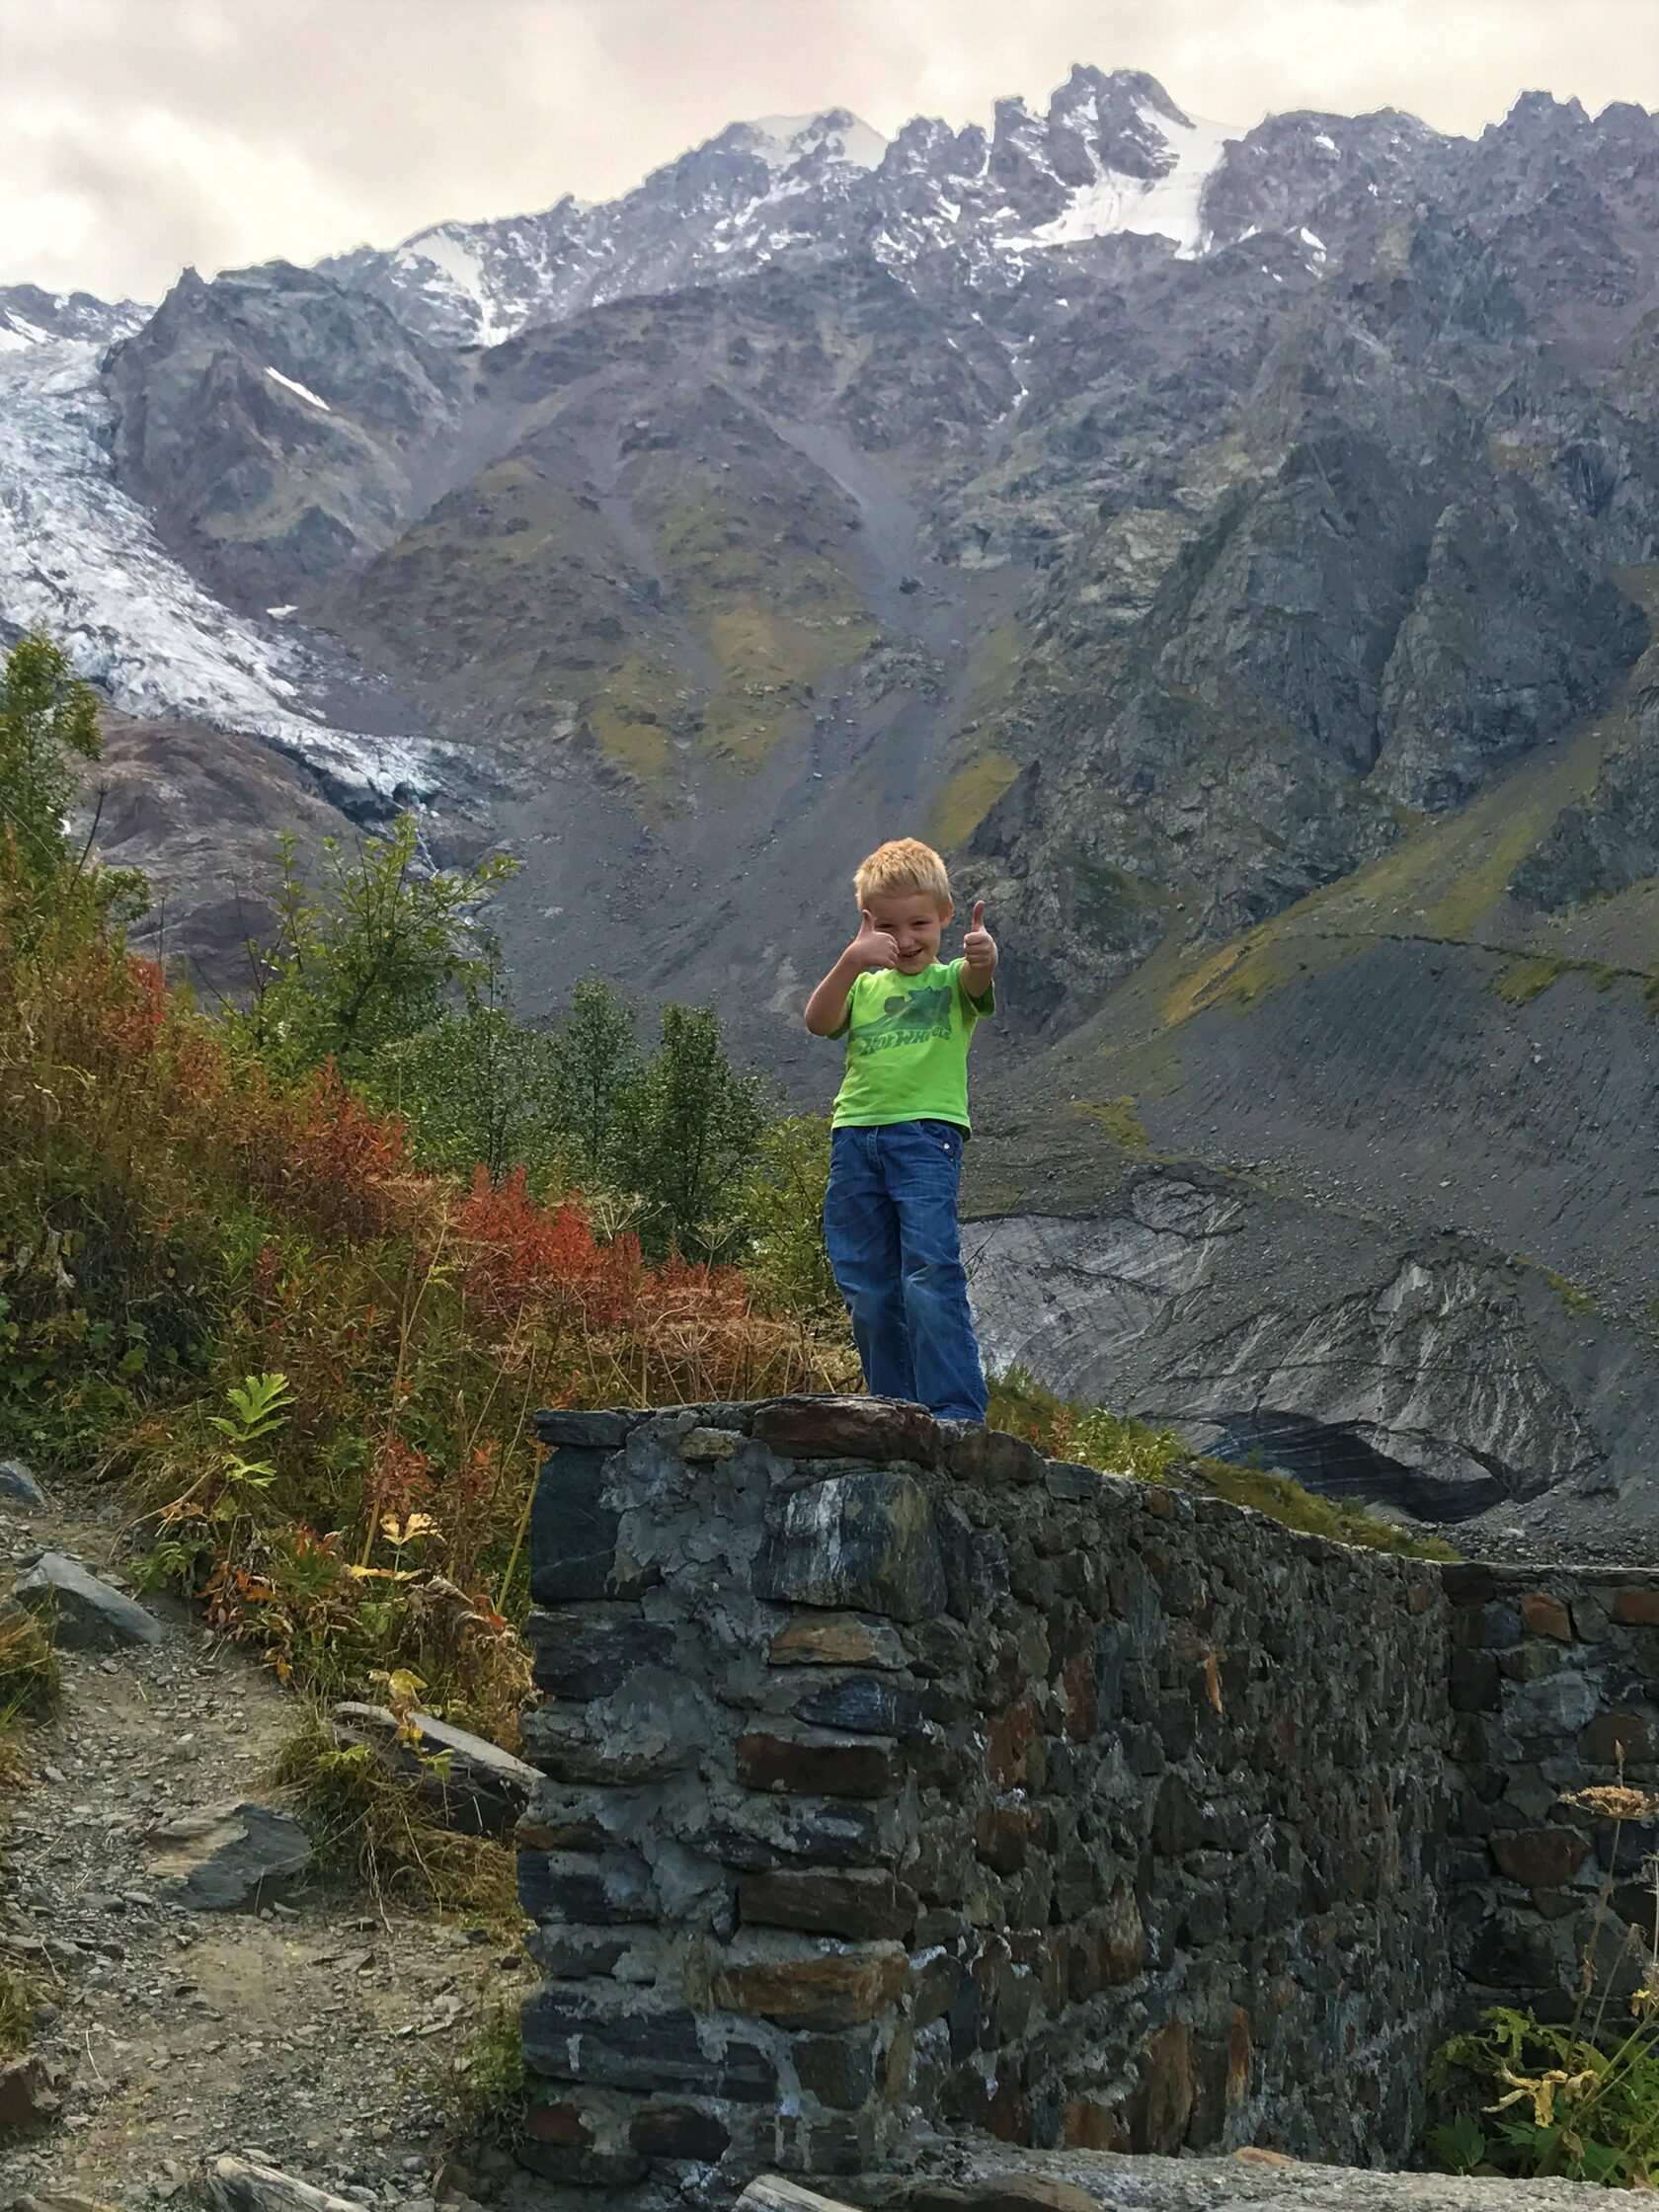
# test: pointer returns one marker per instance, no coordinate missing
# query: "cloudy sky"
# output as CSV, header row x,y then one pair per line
x,y
142,134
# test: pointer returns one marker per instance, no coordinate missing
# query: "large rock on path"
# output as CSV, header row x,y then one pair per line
x,y
18,1485
89,1614
236,2185
28,2096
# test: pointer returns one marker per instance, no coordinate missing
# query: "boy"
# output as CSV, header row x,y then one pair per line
x,y
900,1123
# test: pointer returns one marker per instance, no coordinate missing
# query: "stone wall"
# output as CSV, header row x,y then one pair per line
x,y
895,1778
1555,1689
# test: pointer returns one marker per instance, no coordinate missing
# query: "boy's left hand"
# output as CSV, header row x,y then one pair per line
x,y
980,946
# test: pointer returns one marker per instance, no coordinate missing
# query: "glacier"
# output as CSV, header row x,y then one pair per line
x,y
82,562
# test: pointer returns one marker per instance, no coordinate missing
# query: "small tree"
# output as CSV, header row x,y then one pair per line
x,y
594,1061
49,721
49,725
687,1129
781,1211
369,957
476,1086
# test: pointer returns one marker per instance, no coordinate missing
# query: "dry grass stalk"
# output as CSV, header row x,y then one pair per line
x,y
377,1830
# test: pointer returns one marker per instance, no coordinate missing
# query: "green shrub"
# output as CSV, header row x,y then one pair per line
x,y
1532,2097
1539,2100
1338,1520
780,1210
1118,1445
484,2091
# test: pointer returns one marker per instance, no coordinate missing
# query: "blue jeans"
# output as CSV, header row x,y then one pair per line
x,y
890,1226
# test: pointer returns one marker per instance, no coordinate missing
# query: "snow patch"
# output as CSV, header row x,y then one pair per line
x,y
1165,206
304,391
458,262
81,561
1320,140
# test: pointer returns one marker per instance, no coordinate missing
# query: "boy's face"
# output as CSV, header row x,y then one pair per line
x,y
914,922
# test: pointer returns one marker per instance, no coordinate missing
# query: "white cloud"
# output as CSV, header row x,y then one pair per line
x,y
140,134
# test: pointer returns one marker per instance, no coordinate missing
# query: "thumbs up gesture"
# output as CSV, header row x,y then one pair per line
x,y
979,948
872,947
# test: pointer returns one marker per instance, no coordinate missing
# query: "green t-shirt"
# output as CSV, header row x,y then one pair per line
x,y
908,1039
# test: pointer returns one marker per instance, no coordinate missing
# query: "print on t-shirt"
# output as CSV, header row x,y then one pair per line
x,y
911,1019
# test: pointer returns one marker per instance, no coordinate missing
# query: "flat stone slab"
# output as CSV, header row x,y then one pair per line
x,y
88,1612
1248,2181
480,1787
588,1432
227,1859
848,1428
236,2184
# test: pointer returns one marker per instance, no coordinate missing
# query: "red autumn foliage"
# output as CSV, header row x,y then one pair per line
x,y
222,1222
332,1155
524,1255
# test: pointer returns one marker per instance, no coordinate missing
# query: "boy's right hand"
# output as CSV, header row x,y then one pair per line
x,y
873,947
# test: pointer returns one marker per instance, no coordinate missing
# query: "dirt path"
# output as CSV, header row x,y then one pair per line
x,y
312,2032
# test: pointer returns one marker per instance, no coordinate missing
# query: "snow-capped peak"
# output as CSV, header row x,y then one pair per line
x,y
782,140
457,272
30,316
1166,206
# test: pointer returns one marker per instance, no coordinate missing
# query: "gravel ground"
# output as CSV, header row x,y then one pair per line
x,y
1248,2181
313,2033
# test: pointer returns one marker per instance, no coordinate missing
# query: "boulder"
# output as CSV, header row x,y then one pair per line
x,y
17,1483
88,1612
28,2095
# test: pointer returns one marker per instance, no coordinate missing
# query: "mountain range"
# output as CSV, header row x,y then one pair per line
x,y
1239,548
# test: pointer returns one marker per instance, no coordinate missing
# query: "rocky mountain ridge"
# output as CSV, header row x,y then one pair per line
x,y
1112,154
1238,550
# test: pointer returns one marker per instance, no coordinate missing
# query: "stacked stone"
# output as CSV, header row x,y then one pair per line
x,y
895,1778
1173,1846
710,1856
1555,1691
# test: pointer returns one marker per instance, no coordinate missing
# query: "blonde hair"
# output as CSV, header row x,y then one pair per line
x,y
902,864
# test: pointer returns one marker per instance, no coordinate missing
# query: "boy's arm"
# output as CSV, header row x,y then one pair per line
x,y
827,1008
978,954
